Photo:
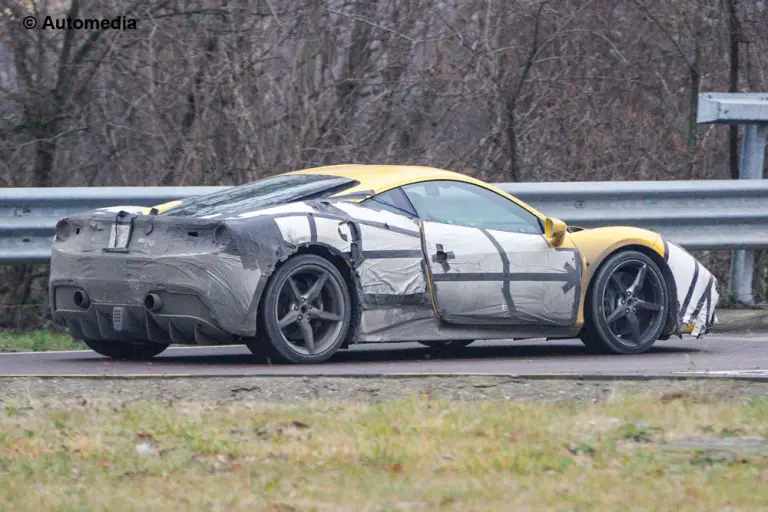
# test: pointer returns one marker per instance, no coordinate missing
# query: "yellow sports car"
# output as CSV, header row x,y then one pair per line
x,y
301,264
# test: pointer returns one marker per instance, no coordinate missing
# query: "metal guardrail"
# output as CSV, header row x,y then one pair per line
x,y
712,214
750,110
695,214
28,216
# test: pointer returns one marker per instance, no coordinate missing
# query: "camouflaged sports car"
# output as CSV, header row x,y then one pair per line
x,y
301,264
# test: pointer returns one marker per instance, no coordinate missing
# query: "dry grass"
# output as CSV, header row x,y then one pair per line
x,y
412,454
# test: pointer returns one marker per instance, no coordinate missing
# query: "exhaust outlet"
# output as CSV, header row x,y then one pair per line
x,y
153,302
81,299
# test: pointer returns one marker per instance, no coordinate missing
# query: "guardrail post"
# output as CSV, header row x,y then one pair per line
x,y
750,168
751,110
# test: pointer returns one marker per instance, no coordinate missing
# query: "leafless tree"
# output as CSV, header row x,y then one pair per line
x,y
225,91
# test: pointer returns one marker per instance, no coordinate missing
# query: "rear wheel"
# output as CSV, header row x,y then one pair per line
x,y
626,308
131,351
447,345
306,312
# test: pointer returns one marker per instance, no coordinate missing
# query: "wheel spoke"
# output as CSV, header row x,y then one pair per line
x,y
634,325
650,306
288,319
618,313
326,315
616,281
294,288
639,280
317,287
309,337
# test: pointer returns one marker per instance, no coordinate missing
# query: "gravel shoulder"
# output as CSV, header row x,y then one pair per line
x,y
293,390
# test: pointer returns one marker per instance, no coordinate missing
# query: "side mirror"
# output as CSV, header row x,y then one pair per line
x,y
554,230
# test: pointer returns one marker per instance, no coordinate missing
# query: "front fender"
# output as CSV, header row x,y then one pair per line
x,y
697,294
597,244
695,287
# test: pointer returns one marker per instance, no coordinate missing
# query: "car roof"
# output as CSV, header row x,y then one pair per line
x,y
380,178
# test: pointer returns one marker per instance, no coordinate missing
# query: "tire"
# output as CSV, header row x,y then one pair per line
x,y
447,345
627,305
138,351
305,313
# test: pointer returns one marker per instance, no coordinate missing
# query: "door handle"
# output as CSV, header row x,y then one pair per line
x,y
441,256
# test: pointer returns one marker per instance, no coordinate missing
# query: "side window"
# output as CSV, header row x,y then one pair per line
x,y
393,201
455,202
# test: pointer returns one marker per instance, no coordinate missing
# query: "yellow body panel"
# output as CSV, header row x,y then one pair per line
x,y
594,244
162,207
380,178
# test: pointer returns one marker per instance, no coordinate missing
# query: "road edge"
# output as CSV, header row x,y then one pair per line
x,y
399,376
735,320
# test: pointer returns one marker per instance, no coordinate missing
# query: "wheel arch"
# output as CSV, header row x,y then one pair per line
x,y
342,264
666,272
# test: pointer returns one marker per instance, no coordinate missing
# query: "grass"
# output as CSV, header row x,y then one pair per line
x,y
38,341
415,454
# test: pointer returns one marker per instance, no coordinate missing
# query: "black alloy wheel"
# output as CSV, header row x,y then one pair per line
x,y
306,312
627,306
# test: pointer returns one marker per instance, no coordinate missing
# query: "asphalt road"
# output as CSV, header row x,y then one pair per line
x,y
739,355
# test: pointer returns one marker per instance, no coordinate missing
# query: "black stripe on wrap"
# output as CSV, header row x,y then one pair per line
x,y
393,253
380,225
498,276
312,228
505,289
706,296
707,324
689,294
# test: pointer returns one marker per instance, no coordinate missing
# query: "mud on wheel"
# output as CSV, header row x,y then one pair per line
x,y
305,313
626,307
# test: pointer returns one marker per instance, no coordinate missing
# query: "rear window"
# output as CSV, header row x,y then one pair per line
x,y
263,193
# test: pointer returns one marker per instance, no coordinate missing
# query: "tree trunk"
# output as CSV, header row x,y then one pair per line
x,y
44,159
695,83
733,86
514,165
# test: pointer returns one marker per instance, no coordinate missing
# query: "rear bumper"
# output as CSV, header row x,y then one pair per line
x,y
206,298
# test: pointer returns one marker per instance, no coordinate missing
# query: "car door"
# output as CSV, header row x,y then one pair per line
x,y
489,261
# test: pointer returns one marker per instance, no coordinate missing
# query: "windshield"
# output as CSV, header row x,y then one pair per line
x,y
260,194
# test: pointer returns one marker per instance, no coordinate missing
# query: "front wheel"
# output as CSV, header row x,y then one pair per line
x,y
626,308
131,351
306,312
